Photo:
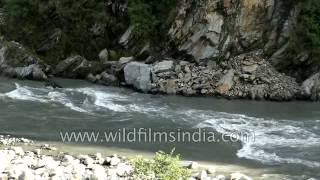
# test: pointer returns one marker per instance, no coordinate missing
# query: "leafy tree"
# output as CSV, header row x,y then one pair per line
x,y
306,38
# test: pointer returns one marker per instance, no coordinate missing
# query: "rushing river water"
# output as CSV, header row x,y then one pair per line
x,y
286,135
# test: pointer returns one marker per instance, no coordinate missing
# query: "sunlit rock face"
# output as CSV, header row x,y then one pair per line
x,y
211,29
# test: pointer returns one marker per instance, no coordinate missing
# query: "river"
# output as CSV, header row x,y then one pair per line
x,y
286,135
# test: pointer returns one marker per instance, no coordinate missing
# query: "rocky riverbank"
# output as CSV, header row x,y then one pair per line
x,y
43,161
246,76
210,48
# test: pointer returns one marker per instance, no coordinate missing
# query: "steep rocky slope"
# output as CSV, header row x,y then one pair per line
x,y
230,48
220,29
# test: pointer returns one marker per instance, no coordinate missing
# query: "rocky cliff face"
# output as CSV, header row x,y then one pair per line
x,y
220,29
233,49
229,48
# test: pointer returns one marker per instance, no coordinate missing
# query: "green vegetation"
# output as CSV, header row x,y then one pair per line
x,y
163,166
56,29
150,17
306,38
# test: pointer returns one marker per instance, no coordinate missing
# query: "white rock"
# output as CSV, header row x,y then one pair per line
x,y
16,171
3,176
193,165
202,175
27,175
115,161
112,174
99,172
221,177
18,150
240,176
123,169
86,160
68,158
79,168
99,159
48,162
37,151
211,170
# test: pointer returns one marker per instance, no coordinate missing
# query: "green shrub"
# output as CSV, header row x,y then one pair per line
x,y
306,38
163,166
150,17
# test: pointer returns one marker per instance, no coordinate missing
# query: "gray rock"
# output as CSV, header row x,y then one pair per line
x,y
92,78
109,79
225,83
138,75
125,38
125,60
310,88
104,56
171,86
163,66
18,62
78,67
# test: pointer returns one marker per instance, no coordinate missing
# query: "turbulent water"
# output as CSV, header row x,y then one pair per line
x,y
287,135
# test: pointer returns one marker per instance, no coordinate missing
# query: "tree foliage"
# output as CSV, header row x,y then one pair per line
x,y
56,29
306,38
150,17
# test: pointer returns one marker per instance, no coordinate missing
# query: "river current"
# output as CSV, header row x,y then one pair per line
x,y
286,135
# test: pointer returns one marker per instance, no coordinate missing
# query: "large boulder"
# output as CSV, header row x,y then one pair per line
x,y
310,88
78,67
138,75
18,62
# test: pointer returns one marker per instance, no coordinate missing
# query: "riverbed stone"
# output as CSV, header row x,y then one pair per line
x,y
221,177
211,170
139,75
114,161
123,169
239,176
108,79
18,150
99,172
